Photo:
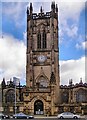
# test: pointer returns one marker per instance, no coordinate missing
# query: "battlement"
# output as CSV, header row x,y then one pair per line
x,y
42,15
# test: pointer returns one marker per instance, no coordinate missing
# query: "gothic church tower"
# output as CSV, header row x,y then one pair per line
x,y
42,65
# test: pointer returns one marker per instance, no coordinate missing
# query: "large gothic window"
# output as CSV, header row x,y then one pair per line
x,y
39,41
10,96
44,40
81,95
43,82
65,97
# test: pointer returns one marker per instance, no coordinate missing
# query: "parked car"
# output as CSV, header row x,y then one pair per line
x,y
31,116
2,115
22,116
68,115
11,116
6,116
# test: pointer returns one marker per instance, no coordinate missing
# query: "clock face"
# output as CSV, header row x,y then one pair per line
x,y
42,58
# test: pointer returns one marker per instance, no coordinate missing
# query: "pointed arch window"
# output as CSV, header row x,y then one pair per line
x,y
39,40
10,96
65,97
43,82
81,95
44,40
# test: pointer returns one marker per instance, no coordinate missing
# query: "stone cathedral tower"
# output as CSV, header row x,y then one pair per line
x,y
42,69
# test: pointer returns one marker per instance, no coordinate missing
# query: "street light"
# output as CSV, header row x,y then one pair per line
x,y
15,98
16,83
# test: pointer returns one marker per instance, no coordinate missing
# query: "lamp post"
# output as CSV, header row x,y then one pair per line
x,y
16,83
15,98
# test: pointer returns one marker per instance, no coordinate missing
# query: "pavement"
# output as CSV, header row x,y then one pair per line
x,y
84,116
50,118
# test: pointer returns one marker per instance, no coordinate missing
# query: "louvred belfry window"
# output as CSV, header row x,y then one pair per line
x,y
44,40
39,41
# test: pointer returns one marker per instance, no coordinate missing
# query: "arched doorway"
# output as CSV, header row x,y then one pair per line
x,y
38,107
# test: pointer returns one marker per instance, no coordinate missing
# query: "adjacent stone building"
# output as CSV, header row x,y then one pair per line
x,y
43,93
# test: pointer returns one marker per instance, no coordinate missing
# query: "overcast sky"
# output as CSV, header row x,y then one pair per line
x,y
72,43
